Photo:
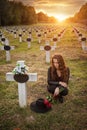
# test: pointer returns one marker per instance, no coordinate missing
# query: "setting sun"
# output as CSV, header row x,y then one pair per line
x,y
60,17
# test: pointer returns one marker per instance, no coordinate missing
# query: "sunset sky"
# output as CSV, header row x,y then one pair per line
x,y
60,9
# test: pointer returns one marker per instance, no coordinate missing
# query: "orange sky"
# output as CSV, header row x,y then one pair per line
x,y
60,9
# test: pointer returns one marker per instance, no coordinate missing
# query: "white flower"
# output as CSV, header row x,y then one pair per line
x,y
22,70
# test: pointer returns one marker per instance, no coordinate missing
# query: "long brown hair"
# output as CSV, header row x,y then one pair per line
x,y
62,67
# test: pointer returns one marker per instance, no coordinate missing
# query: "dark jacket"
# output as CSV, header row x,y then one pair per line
x,y
56,82
52,84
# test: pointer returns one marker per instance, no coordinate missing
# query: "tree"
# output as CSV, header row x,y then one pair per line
x,y
15,13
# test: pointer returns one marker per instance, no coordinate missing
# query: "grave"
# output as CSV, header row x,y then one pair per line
x,y
30,35
47,49
29,42
39,38
15,34
0,37
21,77
55,41
20,37
83,43
3,40
7,48
79,36
59,36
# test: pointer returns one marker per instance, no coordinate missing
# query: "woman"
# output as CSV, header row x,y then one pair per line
x,y
58,77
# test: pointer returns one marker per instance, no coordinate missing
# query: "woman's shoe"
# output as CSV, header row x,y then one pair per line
x,y
60,99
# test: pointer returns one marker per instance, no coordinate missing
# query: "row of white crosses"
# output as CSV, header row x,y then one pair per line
x,y
19,33
55,39
29,39
13,32
41,33
81,39
47,49
39,36
6,47
60,35
21,77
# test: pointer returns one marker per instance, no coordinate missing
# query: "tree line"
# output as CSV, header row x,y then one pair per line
x,y
81,16
15,13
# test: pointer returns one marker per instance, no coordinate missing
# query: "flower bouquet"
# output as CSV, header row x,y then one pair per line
x,y
20,72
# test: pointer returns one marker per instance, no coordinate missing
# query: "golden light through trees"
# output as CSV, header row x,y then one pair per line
x,y
60,17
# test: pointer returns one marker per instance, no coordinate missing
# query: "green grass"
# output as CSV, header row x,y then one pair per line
x,y
72,114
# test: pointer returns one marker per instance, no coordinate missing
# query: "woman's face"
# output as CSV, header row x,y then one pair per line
x,y
55,63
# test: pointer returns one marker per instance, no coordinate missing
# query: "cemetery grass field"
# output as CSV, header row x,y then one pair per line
x,y
70,115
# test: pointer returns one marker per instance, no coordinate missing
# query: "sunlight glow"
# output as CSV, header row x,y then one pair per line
x,y
60,17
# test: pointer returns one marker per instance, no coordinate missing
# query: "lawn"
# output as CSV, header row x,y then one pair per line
x,y
72,114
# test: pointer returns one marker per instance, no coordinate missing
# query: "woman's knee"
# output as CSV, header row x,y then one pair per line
x,y
51,89
64,92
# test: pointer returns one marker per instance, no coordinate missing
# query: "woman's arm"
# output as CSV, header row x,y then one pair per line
x,y
63,84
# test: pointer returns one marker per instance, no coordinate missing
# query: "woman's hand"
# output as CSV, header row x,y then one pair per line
x,y
63,84
56,92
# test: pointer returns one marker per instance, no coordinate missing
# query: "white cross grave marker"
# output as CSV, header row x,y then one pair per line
x,y
76,31
83,43
3,40
0,37
47,48
21,78
45,33
15,34
30,35
79,36
29,42
59,36
7,48
20,37
39,38
24,32
55,41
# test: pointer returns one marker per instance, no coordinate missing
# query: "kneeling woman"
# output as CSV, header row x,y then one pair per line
x,y
58,77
